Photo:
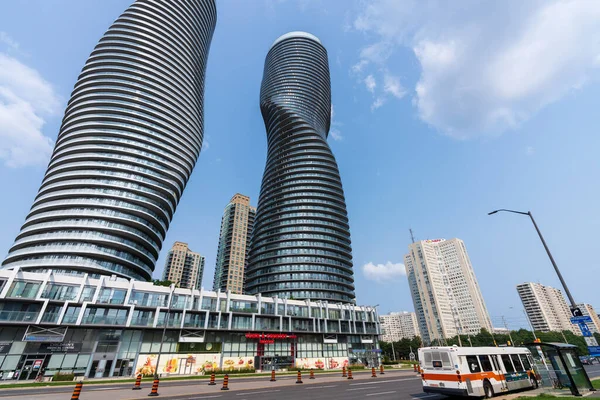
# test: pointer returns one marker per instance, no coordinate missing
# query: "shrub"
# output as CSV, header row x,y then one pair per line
x,y
356,367
58,377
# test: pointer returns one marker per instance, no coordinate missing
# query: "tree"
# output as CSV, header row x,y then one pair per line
x,y
158,282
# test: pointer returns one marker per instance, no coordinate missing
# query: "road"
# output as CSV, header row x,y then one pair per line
x,y
593,371
392,385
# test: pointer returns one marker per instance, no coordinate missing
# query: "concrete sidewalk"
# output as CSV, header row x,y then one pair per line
x,y
97,392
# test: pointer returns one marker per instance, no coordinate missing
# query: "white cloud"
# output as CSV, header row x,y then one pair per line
x,y
486,67
7,40
334,131
26,99
391,85
377,103
529,151
370,83
383,272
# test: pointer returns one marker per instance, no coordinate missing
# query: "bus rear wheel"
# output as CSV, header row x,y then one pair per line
x,y
488,390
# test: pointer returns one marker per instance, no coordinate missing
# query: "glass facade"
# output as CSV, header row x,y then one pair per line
x,y
300,246
129,140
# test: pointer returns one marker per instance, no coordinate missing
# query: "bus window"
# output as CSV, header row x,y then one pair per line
x,y
486,365
495,362
427,358
507,364
445,359
473,364
525,362
517,362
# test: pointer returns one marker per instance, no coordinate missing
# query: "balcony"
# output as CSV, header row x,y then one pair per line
x,y
70,319
104,320
50,318
142,321
18,316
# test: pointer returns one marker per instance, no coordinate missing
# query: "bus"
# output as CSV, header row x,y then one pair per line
x,y
476,371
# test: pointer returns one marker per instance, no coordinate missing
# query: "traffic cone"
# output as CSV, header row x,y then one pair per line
x,y
350,374
273,376
344,372
312,374
373,373
414,367
299,380
212,380
225,382
138,383
154,391
77,391
381,370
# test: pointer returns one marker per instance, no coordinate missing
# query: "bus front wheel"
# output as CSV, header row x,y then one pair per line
x,y
488,390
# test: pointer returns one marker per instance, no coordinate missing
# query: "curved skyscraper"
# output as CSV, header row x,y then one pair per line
x,y
130,137
300,246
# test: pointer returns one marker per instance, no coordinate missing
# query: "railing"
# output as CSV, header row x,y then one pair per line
x,y
70,319
172,322
18,316
147,303
243,310
50,317
104,320
142,321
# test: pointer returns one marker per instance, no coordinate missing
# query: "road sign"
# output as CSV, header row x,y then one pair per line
x,y
585,330
576,312
594,351
585,318
591,341
412,356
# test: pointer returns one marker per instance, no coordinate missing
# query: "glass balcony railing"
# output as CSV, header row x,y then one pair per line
x,y
103,320
18,316
142,321
50,318
70,319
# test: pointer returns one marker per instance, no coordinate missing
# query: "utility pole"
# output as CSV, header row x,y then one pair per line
x,y
412,237
509,334
393,351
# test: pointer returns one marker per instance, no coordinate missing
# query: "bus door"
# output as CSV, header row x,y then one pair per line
x,y
498,371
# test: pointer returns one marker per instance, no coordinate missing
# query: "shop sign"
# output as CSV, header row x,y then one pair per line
x,y
5,347
266,341
37,364
69,347
272,336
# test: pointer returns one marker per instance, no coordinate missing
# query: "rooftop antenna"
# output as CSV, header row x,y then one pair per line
x,y
411,235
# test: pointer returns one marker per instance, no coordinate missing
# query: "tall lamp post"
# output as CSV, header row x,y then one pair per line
x,y
562,281
164,332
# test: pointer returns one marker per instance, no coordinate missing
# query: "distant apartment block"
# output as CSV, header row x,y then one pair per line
x,y
399,325
546,308
234,239
445,292
184,267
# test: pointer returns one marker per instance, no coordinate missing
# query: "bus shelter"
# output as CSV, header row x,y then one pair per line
x,y
564,360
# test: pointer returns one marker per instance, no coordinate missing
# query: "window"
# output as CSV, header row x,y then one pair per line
x,y
486,365
507,363
525,361
517,362
473,364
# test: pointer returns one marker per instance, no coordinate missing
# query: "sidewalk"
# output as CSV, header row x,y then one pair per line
x,y
95,392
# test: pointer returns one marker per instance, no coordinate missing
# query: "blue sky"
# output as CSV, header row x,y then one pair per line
x,y
440,115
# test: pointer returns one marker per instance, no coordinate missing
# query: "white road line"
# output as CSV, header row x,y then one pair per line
x,y
250,393
361,388
205,397
320,387
108,388
427,395
380,394
378,382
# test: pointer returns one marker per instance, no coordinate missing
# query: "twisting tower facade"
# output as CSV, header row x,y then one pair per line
x,y
129,140
300,246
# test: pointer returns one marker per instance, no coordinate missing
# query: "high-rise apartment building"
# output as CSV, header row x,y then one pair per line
x,y
301,243
546,308
184,267
234,241
399,325
128,142
445,292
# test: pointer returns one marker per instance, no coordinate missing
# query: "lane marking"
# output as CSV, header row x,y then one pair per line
x,y
362,388
380,394
205,397
320,387
391,380
427,395
250,393
108,388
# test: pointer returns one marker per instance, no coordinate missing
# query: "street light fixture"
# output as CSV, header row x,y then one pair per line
x,y
562,281
164,332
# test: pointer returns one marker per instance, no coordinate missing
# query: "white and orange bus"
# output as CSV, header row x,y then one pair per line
x,y
476,371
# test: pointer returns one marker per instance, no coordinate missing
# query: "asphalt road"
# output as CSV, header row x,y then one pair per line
x,y
593,371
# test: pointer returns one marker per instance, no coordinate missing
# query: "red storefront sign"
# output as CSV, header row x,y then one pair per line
x,y
266,341
271,336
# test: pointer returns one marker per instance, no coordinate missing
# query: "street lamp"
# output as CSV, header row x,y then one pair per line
x,y
164,332
562,281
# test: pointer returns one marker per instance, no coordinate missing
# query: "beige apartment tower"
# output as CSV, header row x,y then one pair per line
x,y
445,292
234,239
184,267
399,325
546,308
